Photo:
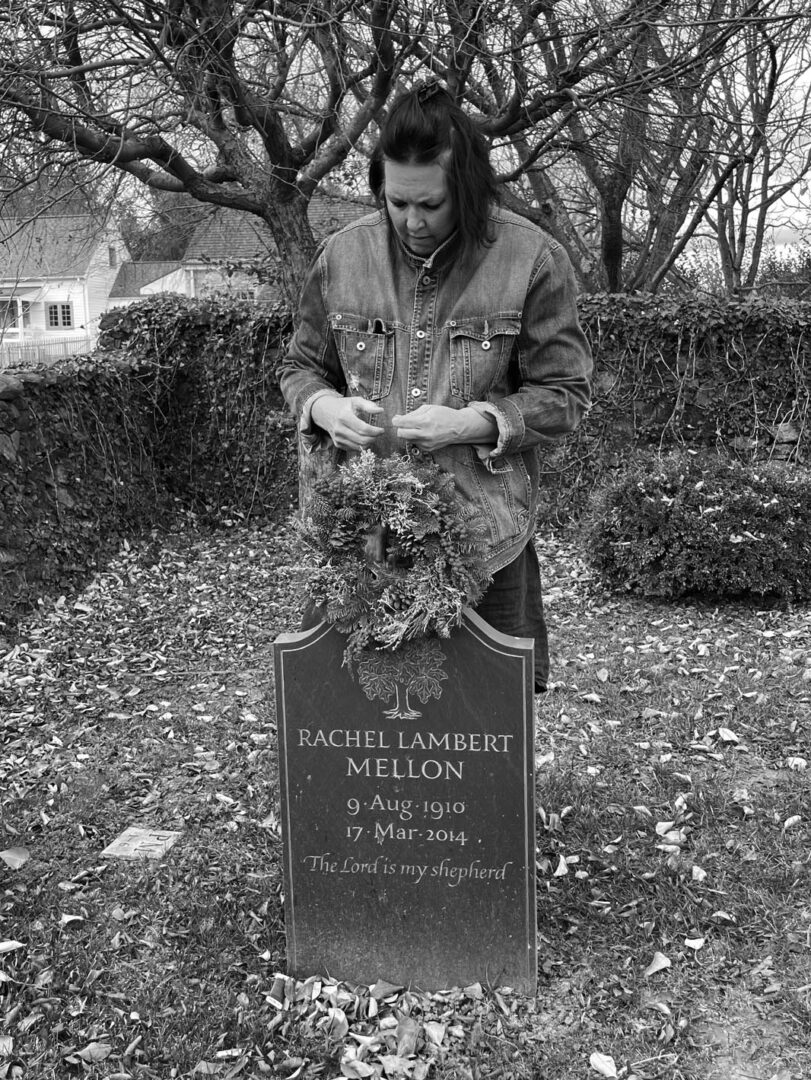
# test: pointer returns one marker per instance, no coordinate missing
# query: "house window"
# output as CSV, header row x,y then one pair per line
x,y
8,312
112,254
60,315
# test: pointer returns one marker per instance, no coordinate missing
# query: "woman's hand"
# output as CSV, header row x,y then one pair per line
x,y
432,427
342,420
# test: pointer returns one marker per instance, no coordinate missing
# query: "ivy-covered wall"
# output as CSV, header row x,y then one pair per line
x,y
731,375
224,442
180,408
76,474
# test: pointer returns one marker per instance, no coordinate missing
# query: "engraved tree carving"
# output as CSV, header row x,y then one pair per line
x,y
414,668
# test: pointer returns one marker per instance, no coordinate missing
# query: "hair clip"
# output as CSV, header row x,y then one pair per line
x,y
427,89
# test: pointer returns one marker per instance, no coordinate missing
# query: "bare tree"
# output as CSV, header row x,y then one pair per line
x,y
251,104
767,105
627,181
207,97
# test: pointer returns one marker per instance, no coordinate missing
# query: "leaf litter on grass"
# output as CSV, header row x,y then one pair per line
x,y
667,749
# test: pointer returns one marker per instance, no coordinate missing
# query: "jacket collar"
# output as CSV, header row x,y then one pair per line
x,y
438,259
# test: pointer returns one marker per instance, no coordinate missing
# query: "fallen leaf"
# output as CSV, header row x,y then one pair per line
x,y
798,764
698,874
791,821
10,946
724,915
335,1024
68,920
603,1064
658,963
15,857
95,1051
726,735
382,989
562,868
695,943
357,1070
292,1065
434,1031
6,1045
395,1066
408,1030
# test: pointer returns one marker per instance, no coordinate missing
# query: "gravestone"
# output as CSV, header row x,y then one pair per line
x,y
407,799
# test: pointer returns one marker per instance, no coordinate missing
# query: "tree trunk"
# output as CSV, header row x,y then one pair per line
x,y
612,240
293,235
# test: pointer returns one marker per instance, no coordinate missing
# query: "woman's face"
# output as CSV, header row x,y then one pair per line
x,y
419,204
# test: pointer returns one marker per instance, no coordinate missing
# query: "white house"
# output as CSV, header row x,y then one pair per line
x,y
56,273
226,236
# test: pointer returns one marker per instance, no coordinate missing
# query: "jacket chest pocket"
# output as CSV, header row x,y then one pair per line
x,y
366,351
480,350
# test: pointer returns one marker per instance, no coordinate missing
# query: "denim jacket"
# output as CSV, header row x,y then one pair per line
x,y
498,332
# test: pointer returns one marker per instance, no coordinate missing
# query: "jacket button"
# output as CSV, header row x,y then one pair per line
x,y
420,333
416,392
361,345
426,280
485,344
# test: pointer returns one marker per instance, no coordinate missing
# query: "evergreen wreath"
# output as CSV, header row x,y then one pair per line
x,y
435,554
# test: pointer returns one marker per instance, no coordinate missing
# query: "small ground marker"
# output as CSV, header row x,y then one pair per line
x,y
135,843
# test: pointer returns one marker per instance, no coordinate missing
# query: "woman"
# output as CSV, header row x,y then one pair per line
x,y
445,323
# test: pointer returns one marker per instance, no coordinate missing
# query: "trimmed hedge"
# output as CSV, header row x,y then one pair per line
x,y
700,523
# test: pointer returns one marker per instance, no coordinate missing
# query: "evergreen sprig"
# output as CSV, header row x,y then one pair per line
x,y
435,555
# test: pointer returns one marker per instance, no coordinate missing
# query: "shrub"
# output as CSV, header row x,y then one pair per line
x,y
700,523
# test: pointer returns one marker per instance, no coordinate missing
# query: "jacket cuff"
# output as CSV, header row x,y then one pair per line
x,y
510,425
311,436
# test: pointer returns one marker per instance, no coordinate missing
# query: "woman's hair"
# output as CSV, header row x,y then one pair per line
x,y
422,126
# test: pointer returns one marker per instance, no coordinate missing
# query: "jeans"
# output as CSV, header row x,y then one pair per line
x,y
513,605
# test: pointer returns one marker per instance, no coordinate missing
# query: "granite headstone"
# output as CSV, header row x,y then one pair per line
x,y
407,799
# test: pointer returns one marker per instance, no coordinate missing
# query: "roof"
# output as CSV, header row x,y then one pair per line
x,y
48,246
235,235
132,276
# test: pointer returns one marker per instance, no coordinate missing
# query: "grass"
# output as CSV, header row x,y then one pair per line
x,y
673,819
